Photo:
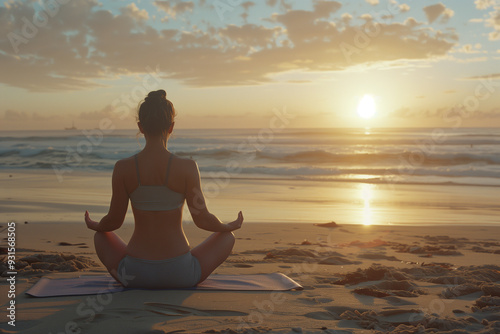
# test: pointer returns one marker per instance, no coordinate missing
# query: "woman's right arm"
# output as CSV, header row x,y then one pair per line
x,y
197,205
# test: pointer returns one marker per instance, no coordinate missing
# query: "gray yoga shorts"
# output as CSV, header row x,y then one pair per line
x,y
178,272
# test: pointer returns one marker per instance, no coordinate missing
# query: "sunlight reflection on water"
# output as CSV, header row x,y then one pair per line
x,y
366,194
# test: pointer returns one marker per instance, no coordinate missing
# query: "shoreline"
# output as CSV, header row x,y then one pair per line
x,y
39,197
374,180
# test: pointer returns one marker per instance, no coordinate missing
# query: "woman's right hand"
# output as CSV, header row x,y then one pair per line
x,y
234,225
90,223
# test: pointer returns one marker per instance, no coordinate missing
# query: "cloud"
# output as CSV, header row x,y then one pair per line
x,y
407,112
85,45
366,17
106,112
23,116
484,77
133,11
402,112
249,34
494,21
434,11
458,111
247,4
469,48
299,81
448,112
448,13
403,8
472,60
484,4
174,8
346,18
372,2
14,115
283,4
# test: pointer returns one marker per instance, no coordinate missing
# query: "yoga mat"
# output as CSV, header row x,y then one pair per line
x,y
90,285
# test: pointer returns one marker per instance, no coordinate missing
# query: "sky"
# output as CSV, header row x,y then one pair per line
x,y
235,64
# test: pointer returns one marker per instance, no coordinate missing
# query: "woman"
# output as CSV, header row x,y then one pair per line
x,y
157,183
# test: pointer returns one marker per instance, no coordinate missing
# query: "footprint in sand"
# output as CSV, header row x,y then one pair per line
x,y
176,310
242,265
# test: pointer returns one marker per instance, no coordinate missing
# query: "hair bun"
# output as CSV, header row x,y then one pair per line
x,y
158,94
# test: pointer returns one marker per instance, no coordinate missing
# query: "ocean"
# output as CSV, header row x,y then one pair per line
x,y
423,156
457,169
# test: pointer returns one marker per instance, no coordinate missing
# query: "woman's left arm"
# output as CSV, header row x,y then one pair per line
x,y
118,207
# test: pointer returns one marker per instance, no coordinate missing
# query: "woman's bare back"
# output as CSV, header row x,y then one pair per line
x,y
157,234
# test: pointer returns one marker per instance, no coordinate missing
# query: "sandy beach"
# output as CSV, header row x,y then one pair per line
x,y
356,279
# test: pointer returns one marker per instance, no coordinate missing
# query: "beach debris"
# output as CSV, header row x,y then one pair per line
x,y
269,256
306,242
40,264
330,224
64,243
458,311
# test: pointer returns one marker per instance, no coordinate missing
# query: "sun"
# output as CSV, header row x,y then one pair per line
x,y
366,107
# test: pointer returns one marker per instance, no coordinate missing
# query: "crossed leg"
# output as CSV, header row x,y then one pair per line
x,y
110,249
213,251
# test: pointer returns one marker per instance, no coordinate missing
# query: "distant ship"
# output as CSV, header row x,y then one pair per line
x,y
72,127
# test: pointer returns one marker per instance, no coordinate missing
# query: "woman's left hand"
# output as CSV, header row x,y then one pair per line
x,y
91,224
